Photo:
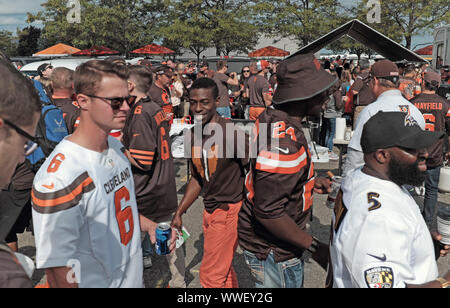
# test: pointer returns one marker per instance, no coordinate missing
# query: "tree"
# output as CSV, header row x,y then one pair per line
x,y
118,24
232,25
188,27
7,43
303,20
404,19
28,41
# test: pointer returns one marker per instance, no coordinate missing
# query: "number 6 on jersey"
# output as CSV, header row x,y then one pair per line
x,y
124,215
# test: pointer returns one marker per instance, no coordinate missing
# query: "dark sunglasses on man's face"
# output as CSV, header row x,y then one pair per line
x,y
33,142
117,102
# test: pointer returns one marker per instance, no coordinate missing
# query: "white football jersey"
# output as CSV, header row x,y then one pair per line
x,y
379,238
85,216
389,101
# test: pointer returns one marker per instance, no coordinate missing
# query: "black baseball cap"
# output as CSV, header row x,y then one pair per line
x,y
396,129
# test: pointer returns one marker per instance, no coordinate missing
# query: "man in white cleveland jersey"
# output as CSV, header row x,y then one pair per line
x,y
379,237
84,206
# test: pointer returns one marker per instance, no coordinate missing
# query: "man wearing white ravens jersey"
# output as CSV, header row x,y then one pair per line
x,y
84,205
384,81
379,237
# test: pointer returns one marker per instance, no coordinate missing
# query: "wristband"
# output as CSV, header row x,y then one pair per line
x,y
444,283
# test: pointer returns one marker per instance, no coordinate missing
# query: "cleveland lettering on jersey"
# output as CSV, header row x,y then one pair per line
x,y
117,180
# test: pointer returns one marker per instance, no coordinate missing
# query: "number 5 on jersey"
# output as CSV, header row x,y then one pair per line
x,y
124,216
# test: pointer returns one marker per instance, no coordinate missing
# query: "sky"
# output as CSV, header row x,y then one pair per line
x,y
13,15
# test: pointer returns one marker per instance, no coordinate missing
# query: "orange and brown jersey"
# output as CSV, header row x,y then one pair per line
x,y
280,182
436,113
71,112
146,137
217,166
161,97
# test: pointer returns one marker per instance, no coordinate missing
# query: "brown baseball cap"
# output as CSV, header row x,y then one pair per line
x,y
431,76
301,77
385,69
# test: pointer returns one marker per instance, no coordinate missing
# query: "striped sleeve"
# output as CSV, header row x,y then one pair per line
x,y
62,199
272,162
144,158
143,142
57,207
276,180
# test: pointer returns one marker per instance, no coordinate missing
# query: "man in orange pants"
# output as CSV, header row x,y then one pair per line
x,y
217,172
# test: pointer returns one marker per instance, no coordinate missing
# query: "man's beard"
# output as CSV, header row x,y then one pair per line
x,y
402,174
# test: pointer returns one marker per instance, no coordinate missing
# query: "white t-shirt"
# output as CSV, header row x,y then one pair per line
x,y
389,101
85,216
380,238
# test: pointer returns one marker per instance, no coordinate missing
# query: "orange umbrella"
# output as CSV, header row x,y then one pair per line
x,y
58,50
153,49
269,51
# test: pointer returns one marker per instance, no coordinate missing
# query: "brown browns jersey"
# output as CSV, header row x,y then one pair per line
x,y
436,113
218,164
280,182
146,137
161,97
71,112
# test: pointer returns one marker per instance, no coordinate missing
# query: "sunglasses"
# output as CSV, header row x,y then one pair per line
x,y
246,71
117,102
33,142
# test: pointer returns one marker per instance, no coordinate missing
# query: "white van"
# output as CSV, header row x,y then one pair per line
x,y
72,63
441,47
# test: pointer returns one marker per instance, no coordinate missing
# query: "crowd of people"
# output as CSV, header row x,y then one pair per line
x,y
95,202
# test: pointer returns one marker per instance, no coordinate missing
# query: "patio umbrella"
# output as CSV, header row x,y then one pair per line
x,y
269,51
153,49
426,52
57,50
96,51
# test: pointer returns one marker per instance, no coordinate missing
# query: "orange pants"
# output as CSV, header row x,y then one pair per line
x,y
220,243
254,112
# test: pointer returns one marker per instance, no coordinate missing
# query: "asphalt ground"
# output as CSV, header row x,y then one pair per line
x,y
158,275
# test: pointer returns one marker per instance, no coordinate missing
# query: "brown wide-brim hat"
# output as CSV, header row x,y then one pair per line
x,y
301,78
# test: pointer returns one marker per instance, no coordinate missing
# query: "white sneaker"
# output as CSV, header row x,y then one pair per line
x,y
333,156
147,262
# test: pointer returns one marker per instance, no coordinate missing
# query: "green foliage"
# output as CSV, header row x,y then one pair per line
x,y
8,43
403,19
117,24
304,20
227,25
28,41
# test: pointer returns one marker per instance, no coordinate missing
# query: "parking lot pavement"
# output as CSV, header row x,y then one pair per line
x,y
158,275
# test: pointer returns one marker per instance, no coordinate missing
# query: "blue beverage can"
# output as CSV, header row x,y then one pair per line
x,y
163,233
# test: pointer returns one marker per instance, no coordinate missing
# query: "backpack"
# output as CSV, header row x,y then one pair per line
x,y
41,91
50,131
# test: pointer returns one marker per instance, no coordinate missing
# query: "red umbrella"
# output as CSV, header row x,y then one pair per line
x,y
269,51
426,51
97,51
154,49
